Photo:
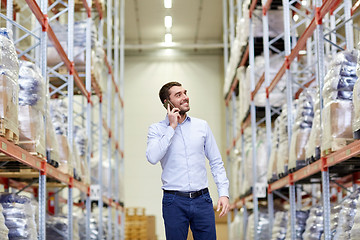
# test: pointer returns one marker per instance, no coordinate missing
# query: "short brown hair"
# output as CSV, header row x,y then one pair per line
x,y
164,91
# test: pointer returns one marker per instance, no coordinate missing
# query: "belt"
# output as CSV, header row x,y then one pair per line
x,y
188,194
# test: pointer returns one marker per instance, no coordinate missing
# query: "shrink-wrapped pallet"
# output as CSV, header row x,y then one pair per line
x,y
99,69
52,144
244,93
314,224
301,130
262,230
312,148
346,216
280,226
61,32
283,149
9,89
58,113
356,103
338,108
57,228
355,230
81,144
4,231
31,108
272,170
19,216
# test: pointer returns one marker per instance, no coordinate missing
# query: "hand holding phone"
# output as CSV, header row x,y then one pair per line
x,y
173,113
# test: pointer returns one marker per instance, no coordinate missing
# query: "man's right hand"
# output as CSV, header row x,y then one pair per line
x,y
173,116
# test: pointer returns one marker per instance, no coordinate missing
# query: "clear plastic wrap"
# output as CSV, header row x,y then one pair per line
x,y
9,89
356,102
263,226
57,228
301,224
9,92
338,95
346,216
94,229
283,150
312,148
336,125
60,31
19,216
244,93
314,224
99,69
355,230
58,113
280,226
272,170
301,129
4,231
31,130
52,143
32,89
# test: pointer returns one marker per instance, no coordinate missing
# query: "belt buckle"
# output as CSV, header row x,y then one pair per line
x,y
192,194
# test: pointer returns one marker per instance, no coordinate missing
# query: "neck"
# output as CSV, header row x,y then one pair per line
x,y
182,117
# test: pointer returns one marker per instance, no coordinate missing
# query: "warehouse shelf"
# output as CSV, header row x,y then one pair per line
x,y
340,167
88,86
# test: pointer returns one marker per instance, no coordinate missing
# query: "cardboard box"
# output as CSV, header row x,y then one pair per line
x,y
9,101
151,229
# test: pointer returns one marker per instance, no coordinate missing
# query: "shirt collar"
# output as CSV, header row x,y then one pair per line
x,y
188,118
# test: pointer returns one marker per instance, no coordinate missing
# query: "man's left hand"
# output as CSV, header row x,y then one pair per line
x,y
224,205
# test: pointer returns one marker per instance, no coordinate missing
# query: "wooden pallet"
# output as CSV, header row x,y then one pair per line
x,y
8,134
337,144
24,173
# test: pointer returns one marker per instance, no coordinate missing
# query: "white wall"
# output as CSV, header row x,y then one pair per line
x,y
202,76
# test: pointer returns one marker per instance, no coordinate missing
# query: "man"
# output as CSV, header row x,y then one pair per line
x,y
181,143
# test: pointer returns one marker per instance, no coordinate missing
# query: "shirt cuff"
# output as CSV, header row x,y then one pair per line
x,y
223,193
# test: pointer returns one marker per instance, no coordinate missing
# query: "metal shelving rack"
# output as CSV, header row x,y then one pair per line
x,y
37,53
320,35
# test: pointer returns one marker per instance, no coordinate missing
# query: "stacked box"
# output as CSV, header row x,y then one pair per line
x,y
136,224
301,129
9,89
338,106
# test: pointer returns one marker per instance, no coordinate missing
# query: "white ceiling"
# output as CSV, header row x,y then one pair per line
x,y
194,22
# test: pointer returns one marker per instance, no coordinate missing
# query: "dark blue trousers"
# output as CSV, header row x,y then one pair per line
x,y
179,212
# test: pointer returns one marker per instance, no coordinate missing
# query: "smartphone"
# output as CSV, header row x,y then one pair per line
x,y
168,102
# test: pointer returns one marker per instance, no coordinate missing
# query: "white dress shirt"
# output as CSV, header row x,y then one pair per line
x,y
182,152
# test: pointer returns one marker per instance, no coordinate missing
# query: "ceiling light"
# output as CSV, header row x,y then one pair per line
x,y
302,52
168,21
167,3
168,38
304,3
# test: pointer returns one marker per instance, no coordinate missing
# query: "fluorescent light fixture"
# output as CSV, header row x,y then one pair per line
x,y
168,3
302,52
168,38
168,21
296,17
304,3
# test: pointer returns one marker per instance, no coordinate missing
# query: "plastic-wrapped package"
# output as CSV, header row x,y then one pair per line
x,y
275,20
263,226
52,142
58,113
57,228
301,224
60,31
94,229
338,94
301,130
278,96
9,89
280,226
346,216
81,141
4,231
355,230
99,68
244,93
237,227
31,129
312,148
272,171
356,103
76,162
314,224
19,216
283,150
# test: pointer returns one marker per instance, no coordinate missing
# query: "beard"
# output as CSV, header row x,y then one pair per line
x,y
183,112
